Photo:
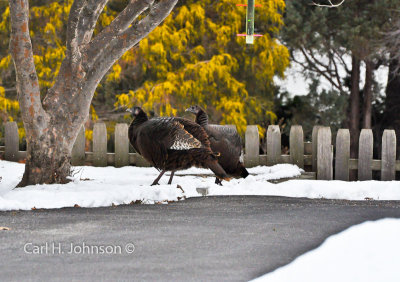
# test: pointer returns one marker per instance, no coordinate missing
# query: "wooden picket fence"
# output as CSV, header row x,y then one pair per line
x,y
317,156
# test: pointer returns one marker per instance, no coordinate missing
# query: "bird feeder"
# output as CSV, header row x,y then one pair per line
x,y
249,21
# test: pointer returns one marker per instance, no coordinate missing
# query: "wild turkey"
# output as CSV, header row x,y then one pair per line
x,y
224,140
172,143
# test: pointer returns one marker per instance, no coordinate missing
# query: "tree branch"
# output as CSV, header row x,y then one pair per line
x,y
73,51
88,19
27,81
118,25
158,13
125,40
337,75
315,68
328,68
318,62
331,5
81,23
339,56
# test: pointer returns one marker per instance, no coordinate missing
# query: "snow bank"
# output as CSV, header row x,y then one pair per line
x,y
98,187
365,252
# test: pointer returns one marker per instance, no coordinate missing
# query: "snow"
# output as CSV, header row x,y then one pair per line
x,y
367,252
364,252
106,186
99,187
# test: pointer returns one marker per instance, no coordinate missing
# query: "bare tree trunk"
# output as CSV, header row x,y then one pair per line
x,y
367,101
52,126
354,120
50,165
391,117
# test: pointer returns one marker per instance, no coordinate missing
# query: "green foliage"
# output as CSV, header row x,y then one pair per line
x,y
357,26
326,39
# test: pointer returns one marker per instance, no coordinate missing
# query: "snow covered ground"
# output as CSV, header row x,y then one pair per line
x,y
98,187
366,252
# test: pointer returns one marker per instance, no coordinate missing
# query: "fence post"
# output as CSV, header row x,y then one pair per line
x,y
78,151
388,169
342,155
252,145
11,142
99,144
296,141
139,161
314,143
365,152
121,145
324,154
274,150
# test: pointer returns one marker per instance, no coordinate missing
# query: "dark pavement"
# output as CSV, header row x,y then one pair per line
x,y
202,239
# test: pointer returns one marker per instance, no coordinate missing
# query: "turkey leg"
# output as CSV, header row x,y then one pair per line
x,y
155,182
172,176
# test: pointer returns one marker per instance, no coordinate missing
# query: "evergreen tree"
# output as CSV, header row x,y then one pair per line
x,y
324,37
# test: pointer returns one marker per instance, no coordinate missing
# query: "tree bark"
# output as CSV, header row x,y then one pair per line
x,y
354,117
52,126
391,117
367,101
50,165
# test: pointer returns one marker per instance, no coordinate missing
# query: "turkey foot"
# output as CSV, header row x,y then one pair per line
x,y
155,182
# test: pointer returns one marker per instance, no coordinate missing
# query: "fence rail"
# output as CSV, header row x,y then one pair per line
x,y
320,155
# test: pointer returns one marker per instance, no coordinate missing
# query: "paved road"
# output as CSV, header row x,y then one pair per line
x,y
203,239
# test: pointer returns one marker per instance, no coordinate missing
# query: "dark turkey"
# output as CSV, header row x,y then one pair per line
x,y
224,140
171,144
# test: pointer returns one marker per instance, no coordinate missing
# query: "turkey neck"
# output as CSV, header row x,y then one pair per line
x,y
140,118
202,118
136,122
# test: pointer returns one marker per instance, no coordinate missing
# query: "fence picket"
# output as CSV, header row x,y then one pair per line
x,y
99,145
315,146
11,141
273,145
318,153
342,155
365,151
252,145
121,145
296,141
388,168
78,151
324,154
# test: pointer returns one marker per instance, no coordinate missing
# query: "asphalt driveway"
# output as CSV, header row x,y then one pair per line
x,y
200,239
